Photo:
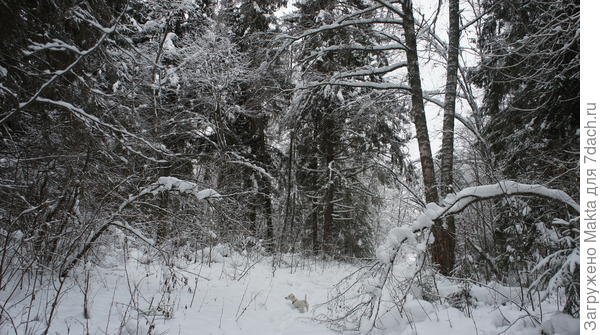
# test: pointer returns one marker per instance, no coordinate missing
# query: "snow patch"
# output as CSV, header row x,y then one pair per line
x,y
169,45
560,324
418,310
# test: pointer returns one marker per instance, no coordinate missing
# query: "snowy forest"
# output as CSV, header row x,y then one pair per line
x,y
289,167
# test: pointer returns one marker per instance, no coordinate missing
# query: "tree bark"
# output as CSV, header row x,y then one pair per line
x,y
442,250
418,106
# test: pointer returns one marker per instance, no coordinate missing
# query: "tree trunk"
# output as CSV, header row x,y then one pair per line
x,y
268,212
418,106
442,250
328,150
289,201
329,141
314,223
252,204
315,208
164,227
327,218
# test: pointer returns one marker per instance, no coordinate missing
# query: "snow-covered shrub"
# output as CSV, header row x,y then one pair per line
x,y
349,304
462,299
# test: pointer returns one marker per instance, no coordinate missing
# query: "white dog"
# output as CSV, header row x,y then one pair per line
x,y
300,305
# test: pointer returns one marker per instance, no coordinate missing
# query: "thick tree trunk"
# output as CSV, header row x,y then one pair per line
x,y
418,106
442,250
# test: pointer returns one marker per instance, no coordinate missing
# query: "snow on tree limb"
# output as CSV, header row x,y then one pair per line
x,y
89,119
358,83
469,195
338,25
456,203
369,71
243,161
161,185
56,45
59,73
344,47
391,7
182,186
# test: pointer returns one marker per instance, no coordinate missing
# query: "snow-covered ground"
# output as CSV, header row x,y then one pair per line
x,y
241,295
237,296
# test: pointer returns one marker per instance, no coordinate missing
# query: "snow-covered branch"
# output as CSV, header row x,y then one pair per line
x,y
338,25
55,45
369,71
359,47
456,203
86,118
391,7
357,83
59,73
242,161
163,184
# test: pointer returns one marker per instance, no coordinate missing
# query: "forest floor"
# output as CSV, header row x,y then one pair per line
x,y
236,295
